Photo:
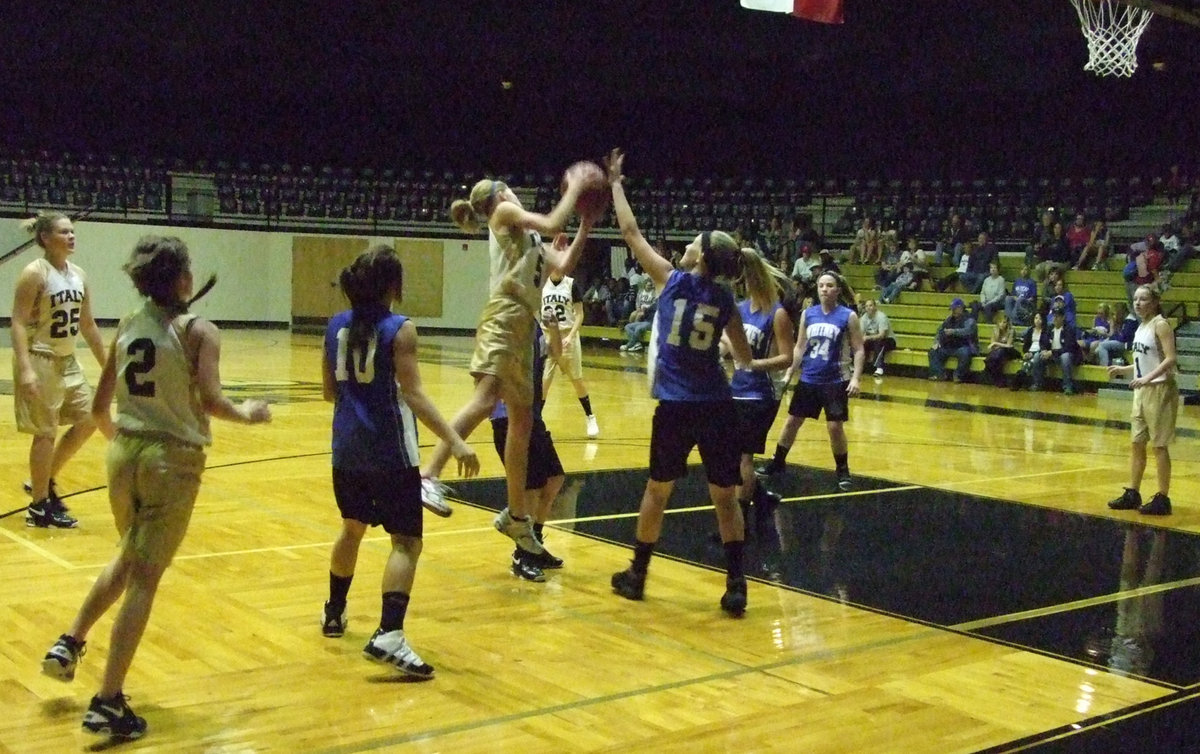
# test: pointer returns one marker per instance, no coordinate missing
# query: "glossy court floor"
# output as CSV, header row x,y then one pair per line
x,y
972,593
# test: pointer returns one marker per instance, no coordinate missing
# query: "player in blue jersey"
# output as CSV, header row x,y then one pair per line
x,y
758,386
695,406
829,358
544,476
369,371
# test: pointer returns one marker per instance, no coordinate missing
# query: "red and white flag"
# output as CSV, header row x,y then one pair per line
x,y
822,11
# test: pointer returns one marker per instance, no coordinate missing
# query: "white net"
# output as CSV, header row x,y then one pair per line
x,y
1112,30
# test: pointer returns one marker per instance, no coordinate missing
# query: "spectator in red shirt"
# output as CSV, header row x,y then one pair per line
x,y
1078,236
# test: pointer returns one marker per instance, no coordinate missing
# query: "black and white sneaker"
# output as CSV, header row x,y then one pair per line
x,y
843,481
524,567
61,659
47,514
391,648
543,559
333,622
113,717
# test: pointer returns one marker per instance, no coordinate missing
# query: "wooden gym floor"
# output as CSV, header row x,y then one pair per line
x,y
973,593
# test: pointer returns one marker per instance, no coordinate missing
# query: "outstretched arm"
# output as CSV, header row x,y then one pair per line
x,y
658,268
205,341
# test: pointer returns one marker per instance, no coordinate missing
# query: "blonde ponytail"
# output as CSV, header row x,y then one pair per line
x,y
469,213
765,283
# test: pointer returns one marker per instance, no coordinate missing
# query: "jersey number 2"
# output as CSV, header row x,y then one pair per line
x,y
141,355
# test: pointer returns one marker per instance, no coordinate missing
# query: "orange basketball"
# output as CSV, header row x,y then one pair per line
x,y
594,198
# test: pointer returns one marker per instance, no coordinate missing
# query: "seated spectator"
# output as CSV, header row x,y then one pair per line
x,y
878,337
1020,306
913,253
956,337
1096,248
888,243
864,248
1000,351
1041,237
1059,346
595,302
949,244
802,269
964,260
1031,346
826,263
1078,235
620,303
1112,350
888,269
1054,253
1049,291
1144,265
642,317
905,281
1100,330
992,293
982,256
1067,299
1184,250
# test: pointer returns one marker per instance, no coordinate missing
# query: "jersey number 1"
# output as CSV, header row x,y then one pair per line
x,y
363,366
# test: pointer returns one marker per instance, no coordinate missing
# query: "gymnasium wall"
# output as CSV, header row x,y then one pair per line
x,y
446,279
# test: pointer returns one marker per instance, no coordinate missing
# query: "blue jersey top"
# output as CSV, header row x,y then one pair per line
x,y
373,428
539,364
692,314
827,350
1024,289
760,331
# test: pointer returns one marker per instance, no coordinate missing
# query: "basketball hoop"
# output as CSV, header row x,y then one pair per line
x,y
1112,29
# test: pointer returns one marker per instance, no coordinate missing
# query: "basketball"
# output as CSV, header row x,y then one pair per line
x,y
594,198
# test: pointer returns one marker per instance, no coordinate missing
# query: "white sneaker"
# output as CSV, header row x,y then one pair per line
x,y
520,532
878,371
392,648
624,347
593,428
433,497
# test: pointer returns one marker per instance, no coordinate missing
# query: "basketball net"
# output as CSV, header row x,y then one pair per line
x,y
1112,30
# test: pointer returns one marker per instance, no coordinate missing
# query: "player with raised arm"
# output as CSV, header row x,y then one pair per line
x,y
695,405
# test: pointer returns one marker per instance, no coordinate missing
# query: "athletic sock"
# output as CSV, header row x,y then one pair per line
x,y
395,605
781,452
586,402
841,461
733,559
339,587
641,556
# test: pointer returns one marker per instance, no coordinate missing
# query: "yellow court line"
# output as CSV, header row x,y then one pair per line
x,y
35,548
1064,607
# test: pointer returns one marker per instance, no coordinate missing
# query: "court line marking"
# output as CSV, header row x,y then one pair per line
x,y
27,544
1062,607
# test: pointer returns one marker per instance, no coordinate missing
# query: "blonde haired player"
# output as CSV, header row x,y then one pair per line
x,y
51,308
562,299
1155,403
502,363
